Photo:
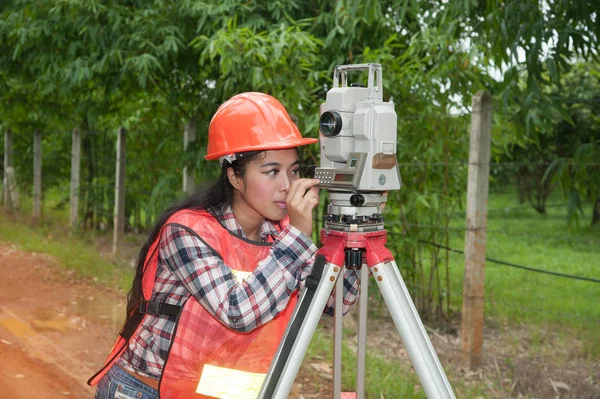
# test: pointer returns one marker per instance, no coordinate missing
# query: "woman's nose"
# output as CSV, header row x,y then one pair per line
x,y
285,184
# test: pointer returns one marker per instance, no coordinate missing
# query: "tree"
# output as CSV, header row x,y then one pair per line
x,y
576,168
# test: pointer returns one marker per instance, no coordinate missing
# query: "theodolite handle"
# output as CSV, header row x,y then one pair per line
x,y
374,83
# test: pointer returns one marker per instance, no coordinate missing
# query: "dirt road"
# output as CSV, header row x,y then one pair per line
x,y
55,330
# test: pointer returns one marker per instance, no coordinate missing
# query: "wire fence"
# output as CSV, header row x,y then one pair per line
x,y
539,312
511,264
455,226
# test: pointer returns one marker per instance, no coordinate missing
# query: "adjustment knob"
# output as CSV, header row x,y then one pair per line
x,y
354,258
357,200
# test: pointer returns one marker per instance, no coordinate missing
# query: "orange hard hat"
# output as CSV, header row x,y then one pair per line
x,y
252,122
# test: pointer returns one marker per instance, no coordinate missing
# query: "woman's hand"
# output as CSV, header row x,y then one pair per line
x,y
302,198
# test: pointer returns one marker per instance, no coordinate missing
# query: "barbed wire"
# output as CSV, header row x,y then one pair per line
x,y
493,163
429,226
528,309
492,211
435,116
494,231
510,264
494,300
497,231
501,262
546,237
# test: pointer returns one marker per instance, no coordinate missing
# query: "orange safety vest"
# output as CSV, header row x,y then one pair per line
x,y
207,359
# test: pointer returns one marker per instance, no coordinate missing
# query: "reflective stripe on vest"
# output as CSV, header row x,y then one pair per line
x,y
221,382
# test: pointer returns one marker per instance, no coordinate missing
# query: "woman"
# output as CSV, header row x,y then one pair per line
x,y
217,281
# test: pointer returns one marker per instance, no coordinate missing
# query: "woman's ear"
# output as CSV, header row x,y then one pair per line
x,y
234,179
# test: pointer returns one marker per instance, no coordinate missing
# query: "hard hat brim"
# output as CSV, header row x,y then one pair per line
x,y
282,146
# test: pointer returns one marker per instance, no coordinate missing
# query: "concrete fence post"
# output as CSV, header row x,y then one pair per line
x,y
36,215
75,176
119,212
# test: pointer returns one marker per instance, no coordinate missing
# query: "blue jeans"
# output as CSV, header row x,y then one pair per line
x,y
118,384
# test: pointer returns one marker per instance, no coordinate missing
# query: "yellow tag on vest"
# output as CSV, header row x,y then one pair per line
x,y
227,383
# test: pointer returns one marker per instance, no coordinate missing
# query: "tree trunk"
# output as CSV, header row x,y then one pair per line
x,y
189,137
596,212
137,224
148,222
106,200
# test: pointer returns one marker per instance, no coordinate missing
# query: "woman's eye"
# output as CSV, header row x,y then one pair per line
x,y
295,172
271,172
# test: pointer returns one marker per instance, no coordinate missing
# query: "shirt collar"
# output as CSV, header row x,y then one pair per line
x,y
226,217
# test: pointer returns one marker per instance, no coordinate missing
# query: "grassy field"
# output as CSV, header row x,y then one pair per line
x,y
76,251
517,234
384,377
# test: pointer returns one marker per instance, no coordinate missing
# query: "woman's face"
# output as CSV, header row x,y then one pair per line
x,y
262,191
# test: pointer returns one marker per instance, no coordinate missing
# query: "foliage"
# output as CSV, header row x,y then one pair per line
x,y
565,153
433,190
576,168
578,177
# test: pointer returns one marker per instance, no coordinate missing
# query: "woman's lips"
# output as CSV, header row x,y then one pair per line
x,y
281,204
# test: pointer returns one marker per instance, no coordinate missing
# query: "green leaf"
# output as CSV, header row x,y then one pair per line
x,y
423,201
552,70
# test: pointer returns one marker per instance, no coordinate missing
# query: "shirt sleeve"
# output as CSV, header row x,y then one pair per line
x,y
240,305
351,288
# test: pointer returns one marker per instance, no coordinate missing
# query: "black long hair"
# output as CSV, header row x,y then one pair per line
x,y
218,193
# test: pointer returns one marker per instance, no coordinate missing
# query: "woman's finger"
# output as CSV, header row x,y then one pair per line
x,y
300,187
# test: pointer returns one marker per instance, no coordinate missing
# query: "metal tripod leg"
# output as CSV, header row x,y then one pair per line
x,y
361,350
409,325
337,337
302,326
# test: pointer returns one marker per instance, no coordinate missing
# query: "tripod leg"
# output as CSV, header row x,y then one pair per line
x,y
361,351
361,336
302,326
337,337
409,325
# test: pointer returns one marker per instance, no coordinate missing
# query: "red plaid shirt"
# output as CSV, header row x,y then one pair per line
x,y
242,305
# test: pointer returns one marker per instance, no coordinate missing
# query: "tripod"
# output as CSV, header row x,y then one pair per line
x,y
348,242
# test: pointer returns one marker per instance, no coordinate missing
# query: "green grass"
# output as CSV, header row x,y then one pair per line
x,y
517,234
384,378
73,251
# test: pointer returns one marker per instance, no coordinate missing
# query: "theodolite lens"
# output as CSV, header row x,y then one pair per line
x,y
330,123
